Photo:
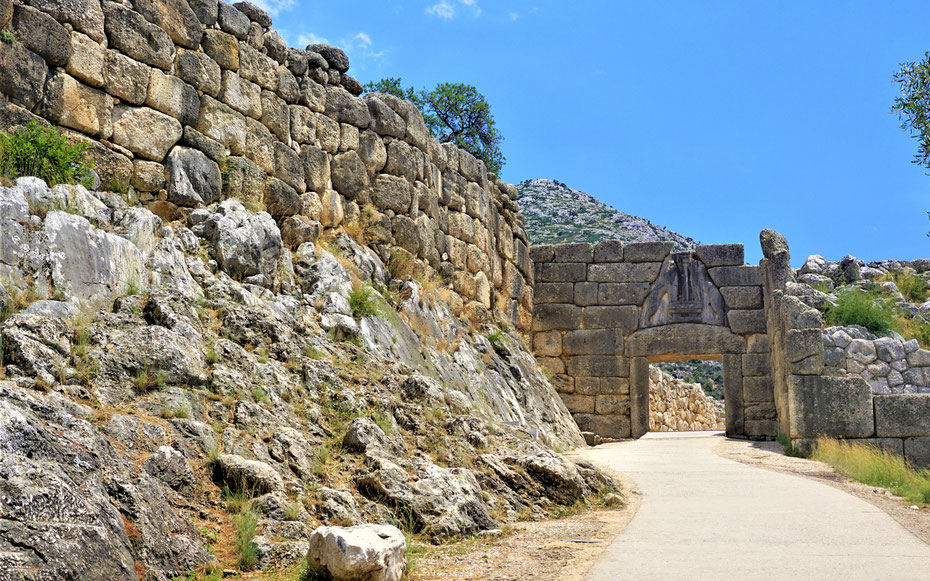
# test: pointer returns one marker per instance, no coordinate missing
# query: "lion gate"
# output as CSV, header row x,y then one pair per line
x,y
604,311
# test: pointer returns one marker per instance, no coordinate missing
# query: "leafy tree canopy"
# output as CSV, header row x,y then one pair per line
x,y
456,113
913,105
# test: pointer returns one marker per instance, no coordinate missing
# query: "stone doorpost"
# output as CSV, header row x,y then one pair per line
x,y
639,396
733,393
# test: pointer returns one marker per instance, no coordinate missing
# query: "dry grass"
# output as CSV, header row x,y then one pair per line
x,y
875,467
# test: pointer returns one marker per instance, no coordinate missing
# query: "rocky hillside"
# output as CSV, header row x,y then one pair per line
x,y
678,406
557,214
194,394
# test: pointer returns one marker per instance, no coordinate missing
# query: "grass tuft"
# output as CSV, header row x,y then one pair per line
x,y
875,467
790,450
865,308
364,302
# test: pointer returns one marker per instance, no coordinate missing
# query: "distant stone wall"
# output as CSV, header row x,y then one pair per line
x,y
678,406
887,364
193,102
604,311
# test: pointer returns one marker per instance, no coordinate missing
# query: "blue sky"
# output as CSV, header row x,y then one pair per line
x,y
714,119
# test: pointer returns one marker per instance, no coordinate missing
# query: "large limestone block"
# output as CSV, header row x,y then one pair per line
x,y
42,34
684,339
547,344
288,167
85,15
541,252
257,67
132,35
328,133
917,451
254,13
838,407
372,151
598,366
758,389
22,74
735,276
745,322
349,175
200,71
554,292
282,200
756,364
720,254
71,104
360,553
391,193
608,251
561,272
233,21
556,317
222,48
607,426
242,95
219,122
145,131
624,272
578,252
620,293
125,78
742,297
347,108
172,96
249,475
646,251
206,11
624,318
316,168
175,17
86,62
590,342
276,116
902,415
193,178
335,57
417,134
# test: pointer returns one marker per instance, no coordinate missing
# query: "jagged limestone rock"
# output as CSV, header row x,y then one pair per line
x,y
362,553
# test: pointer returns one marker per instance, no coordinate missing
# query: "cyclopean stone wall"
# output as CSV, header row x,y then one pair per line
x,y
193,102
818,392
604,311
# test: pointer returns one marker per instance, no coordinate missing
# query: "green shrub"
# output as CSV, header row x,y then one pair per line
x,y
45,153
246,524
364,302
865,308
875,467
914,288
790,450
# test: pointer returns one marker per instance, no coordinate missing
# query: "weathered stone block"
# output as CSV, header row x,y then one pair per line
x,y
902,415
618,293
200,71
586,293
684,340
577,252
720,254
624,272
556,317
838,407
756,364
71,104
176,18
125,78
42,34
554,292
757,343
756,429
802,343
233,21
607,426
733,394
547,344
760,410
349,174
561,272
257,67
563,383
598,366
608,251
86,62
135,37
745,322
588,385
919,358
316,168
193,178
614,386
735,276
172,96
219,122
742,297
542,253
223,48
147,176
758,389
917,451
612,404
581,404
593,342
289,169
646,251
624,318
22,74
145,131
551,365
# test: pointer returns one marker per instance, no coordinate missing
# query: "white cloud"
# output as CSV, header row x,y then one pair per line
x,y
363,39
513,16
275,7
448,9
309,38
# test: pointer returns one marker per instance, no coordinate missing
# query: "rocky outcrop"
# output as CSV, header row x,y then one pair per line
x,y
678,406
362,553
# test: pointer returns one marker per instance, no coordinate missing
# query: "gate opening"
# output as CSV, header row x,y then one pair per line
x,y
686,396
